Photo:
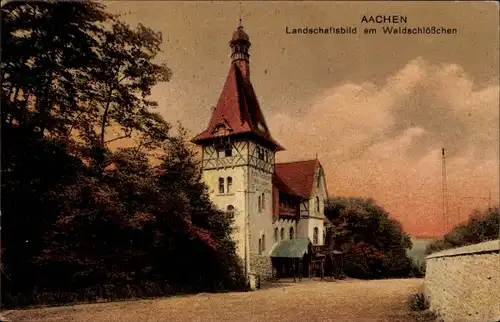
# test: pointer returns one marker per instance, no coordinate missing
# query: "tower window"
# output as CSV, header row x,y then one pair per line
x,y
225,151
229,184
228,151
260,204
221,185
282,233
317,204
276,236
263,201
263,242
292,233
260,246
315,236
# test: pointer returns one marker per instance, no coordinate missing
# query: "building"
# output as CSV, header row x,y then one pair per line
x,y
272,203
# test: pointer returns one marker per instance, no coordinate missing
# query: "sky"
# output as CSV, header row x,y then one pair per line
x,y
376,109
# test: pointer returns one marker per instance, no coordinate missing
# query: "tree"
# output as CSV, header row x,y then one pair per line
x,y
77,214
374,244
46,47
481,227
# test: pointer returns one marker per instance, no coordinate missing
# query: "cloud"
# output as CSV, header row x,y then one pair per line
x,y
385,141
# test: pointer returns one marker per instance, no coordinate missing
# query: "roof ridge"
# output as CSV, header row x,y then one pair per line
x,y
299,161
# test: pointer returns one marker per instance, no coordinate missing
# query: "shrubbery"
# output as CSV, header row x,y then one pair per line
x,y
481,227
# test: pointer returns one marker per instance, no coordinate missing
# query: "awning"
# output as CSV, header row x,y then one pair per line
x,y
292,248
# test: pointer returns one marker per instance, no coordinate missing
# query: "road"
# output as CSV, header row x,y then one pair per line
x,y
350,300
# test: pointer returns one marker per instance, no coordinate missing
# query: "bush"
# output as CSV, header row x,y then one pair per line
x,y
418,302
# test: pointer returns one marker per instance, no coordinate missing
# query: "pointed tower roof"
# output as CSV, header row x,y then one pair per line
x,y
238,112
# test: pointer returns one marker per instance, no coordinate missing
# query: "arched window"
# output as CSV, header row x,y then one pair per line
x,y
282,233
291,233
229,184
221,185
315,235
317,204
260,204
276,236
260,246
263,242
263,201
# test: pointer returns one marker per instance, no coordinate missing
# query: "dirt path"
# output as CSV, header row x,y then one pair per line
x,y
353,300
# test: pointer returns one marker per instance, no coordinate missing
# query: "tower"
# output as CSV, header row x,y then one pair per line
x,y
238,156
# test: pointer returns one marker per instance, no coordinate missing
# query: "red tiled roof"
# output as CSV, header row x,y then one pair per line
x,y
296,178
239,110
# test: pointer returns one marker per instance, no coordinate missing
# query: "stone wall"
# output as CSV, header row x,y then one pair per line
x,y
463,284
261,265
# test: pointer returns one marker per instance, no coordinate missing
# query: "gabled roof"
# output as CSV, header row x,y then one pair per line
x,y
296,178
238,110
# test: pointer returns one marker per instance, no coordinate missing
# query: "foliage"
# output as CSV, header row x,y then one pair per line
x,y
375,246
481,227
418,302
80,218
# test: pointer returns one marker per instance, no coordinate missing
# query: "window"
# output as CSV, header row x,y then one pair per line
x,y
291,233
225,151
229,184
317,204
324,237
221,185
263,201
228,151
261,153
276,236
282,233
315,235
260,246
318,182
260,205
263,242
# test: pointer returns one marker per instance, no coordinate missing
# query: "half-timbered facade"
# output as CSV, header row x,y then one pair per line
x,y
271,202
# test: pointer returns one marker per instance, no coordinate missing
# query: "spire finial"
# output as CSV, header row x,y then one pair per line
x,y
240,11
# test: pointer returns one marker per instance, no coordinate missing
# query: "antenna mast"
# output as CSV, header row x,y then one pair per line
x,y
445,192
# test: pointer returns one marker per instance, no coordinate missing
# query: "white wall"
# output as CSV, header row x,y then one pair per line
x,y
260,222
236,198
